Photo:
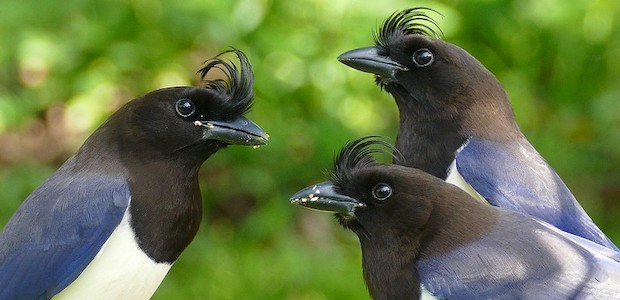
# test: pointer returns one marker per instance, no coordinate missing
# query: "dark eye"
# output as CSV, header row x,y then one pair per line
x,y
185,107
381,191
423,57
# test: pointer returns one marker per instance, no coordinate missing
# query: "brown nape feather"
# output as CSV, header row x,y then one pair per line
x,y
409,21
426,212
479,102
456,218
237,87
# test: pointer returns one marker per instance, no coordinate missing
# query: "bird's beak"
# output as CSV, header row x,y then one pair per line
x,y
369,60
238,131
322,197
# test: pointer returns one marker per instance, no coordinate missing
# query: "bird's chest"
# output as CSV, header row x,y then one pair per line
x,y
121,270
166,223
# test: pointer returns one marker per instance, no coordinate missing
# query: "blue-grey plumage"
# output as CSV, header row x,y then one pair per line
x,y
520,257
58,230
513,175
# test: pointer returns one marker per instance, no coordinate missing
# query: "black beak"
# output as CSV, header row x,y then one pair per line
x,y
369,60
322,197
238,131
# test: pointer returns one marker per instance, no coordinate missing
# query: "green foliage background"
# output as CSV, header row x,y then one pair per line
x,y
66,65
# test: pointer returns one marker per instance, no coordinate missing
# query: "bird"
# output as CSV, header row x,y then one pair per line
x,y
111,221
456,123
419,233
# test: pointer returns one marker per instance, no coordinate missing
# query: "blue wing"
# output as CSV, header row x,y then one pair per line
x,y
523,258
513,175
57,231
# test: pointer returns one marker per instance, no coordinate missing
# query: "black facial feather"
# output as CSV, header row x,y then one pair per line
x,y
356,155
409,21
237,87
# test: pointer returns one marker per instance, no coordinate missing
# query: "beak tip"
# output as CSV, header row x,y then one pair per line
x,y
261,140
346,58
238,131
260,136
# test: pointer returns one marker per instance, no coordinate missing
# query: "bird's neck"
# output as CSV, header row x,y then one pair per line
x,y
164,217
428,144
456,219
429,138
390,271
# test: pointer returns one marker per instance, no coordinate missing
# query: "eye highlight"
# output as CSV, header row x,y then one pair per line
x,y
381,191
423,57
185,107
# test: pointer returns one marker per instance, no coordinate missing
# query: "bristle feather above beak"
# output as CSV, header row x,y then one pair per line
x,y
237,87
409,21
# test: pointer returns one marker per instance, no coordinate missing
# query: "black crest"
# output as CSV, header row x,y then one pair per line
x,y
409,21
238,85
357,154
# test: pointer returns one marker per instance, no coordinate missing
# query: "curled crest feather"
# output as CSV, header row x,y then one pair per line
x,y
237,87
409,21
358,154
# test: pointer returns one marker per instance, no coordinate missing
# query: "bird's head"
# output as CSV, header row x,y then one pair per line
x,y
399,214
419,69
192,121
374,200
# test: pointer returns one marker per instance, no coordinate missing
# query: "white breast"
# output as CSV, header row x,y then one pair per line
x,y
119,271
454,177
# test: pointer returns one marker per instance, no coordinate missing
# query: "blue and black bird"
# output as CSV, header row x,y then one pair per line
x,y
421,234
456,123
111,221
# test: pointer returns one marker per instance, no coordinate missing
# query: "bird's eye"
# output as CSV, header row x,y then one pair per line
x,y
423,57
381,191
185,107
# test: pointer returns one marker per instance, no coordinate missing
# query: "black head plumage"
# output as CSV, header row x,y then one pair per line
x,y
357,154
237,87
409,21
